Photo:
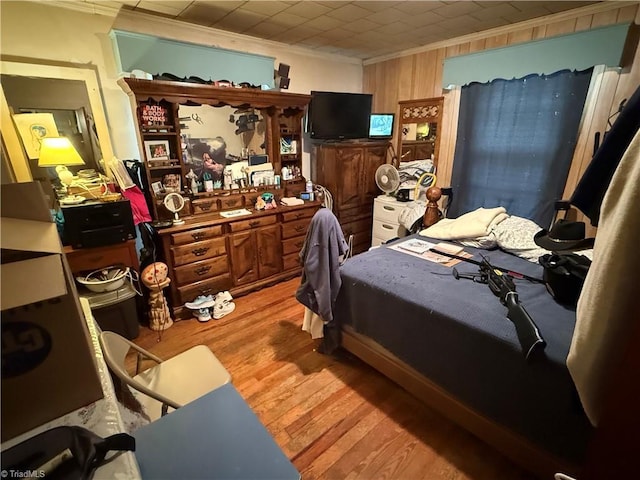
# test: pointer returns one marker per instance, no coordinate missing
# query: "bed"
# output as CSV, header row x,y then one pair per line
x,y
450,343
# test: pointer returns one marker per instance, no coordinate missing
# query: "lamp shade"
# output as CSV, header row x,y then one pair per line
x,y
56,151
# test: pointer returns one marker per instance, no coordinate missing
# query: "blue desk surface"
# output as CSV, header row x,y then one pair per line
x,y
214,437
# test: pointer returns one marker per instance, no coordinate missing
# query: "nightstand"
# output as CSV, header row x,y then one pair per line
x,y
84,259
386,226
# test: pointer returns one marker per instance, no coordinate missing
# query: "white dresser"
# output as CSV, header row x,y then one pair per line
x,y
386,226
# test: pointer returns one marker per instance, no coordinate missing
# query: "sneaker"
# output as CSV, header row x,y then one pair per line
x,y
224,296
202,301
223,308
202,315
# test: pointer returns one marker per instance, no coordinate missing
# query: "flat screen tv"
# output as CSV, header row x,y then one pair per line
x,y
337,116
381,125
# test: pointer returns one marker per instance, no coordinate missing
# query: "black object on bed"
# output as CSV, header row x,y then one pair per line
x,y
458,336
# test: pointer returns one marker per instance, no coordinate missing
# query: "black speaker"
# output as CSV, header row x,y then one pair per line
x,y
283,70
281,76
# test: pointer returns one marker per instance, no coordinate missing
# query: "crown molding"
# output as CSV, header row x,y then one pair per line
x,y
534,22
83,7
140,22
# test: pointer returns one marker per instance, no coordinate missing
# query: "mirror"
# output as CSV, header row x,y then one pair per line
x,y
215,137
71,94
419,136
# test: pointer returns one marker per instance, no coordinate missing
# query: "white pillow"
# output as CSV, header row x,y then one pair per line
x,y
515,235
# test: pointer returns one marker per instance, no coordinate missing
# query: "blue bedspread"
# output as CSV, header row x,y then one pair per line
x,y
456,333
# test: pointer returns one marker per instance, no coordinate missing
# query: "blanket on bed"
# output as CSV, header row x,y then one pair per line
x,y
607,307
470,225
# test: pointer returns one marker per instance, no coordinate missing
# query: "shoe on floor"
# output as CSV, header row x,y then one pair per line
x,y
223,308
202,301
202,315
224,296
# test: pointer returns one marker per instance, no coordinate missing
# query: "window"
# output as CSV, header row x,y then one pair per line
x,y
516,139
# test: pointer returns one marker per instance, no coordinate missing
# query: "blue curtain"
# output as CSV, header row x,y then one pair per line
x,y
515,143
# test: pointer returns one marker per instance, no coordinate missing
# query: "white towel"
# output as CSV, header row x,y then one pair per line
x,y
313,324
477,223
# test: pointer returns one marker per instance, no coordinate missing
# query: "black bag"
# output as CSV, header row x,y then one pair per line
x,y
69,453
564,276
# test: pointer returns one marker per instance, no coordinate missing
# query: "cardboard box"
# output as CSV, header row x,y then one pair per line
x,y
48,361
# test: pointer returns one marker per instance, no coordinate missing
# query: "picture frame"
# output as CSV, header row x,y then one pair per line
x,y
156,150
158,188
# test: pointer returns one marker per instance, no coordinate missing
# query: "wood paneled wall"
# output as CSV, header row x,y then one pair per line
x,y
420,76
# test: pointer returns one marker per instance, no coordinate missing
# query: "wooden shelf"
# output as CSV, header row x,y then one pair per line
x,y
164,167
158,134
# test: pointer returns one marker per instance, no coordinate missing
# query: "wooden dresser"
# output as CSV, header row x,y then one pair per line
x,y
210,253
348,170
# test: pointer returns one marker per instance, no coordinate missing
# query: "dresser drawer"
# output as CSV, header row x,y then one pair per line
x,y
253,223
295,229
386,231
198,251
292,245
205,205
298,214
196,271
359,226
196,235
291,261
231,202
386,212
211,286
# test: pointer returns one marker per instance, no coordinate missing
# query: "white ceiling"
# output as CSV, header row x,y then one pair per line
x,y
359,29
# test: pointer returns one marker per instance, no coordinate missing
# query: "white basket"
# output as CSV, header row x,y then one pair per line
x,y
109,285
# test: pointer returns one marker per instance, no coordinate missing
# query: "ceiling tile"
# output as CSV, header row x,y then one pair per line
x,y
349,13
308,9
386,16
324,23
361,25
336,34
393,28
203,14
494,11
417,8
456,9
264,30
285,19
562,6
529,14
239,20
264,8
380,6
428,18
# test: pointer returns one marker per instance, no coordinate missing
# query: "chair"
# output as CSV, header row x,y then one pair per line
x,y
171,383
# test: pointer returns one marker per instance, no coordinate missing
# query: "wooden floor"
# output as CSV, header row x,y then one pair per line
x,y
334,417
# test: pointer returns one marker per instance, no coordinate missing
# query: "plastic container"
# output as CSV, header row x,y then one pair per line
x,y
116,311
309,186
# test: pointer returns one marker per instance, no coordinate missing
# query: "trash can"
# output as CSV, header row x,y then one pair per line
x,y
116,311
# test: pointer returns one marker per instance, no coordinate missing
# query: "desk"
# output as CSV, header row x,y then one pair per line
x,y
217,437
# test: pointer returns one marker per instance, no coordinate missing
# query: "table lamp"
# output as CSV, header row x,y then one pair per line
x,y
59,152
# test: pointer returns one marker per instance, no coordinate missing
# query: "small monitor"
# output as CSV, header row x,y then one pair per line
x,y
381,125
258,159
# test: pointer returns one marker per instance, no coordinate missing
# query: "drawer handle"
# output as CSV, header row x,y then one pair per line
x,y
299,228
387,207
198,252
202,270
205,206
198,235
205,291
254,223
387,227
299,244
299,215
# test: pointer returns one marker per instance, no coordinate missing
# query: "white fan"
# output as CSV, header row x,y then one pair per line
x,y
174,203
387,178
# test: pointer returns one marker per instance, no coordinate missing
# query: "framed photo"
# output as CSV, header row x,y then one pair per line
x,y
156,149
158,188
